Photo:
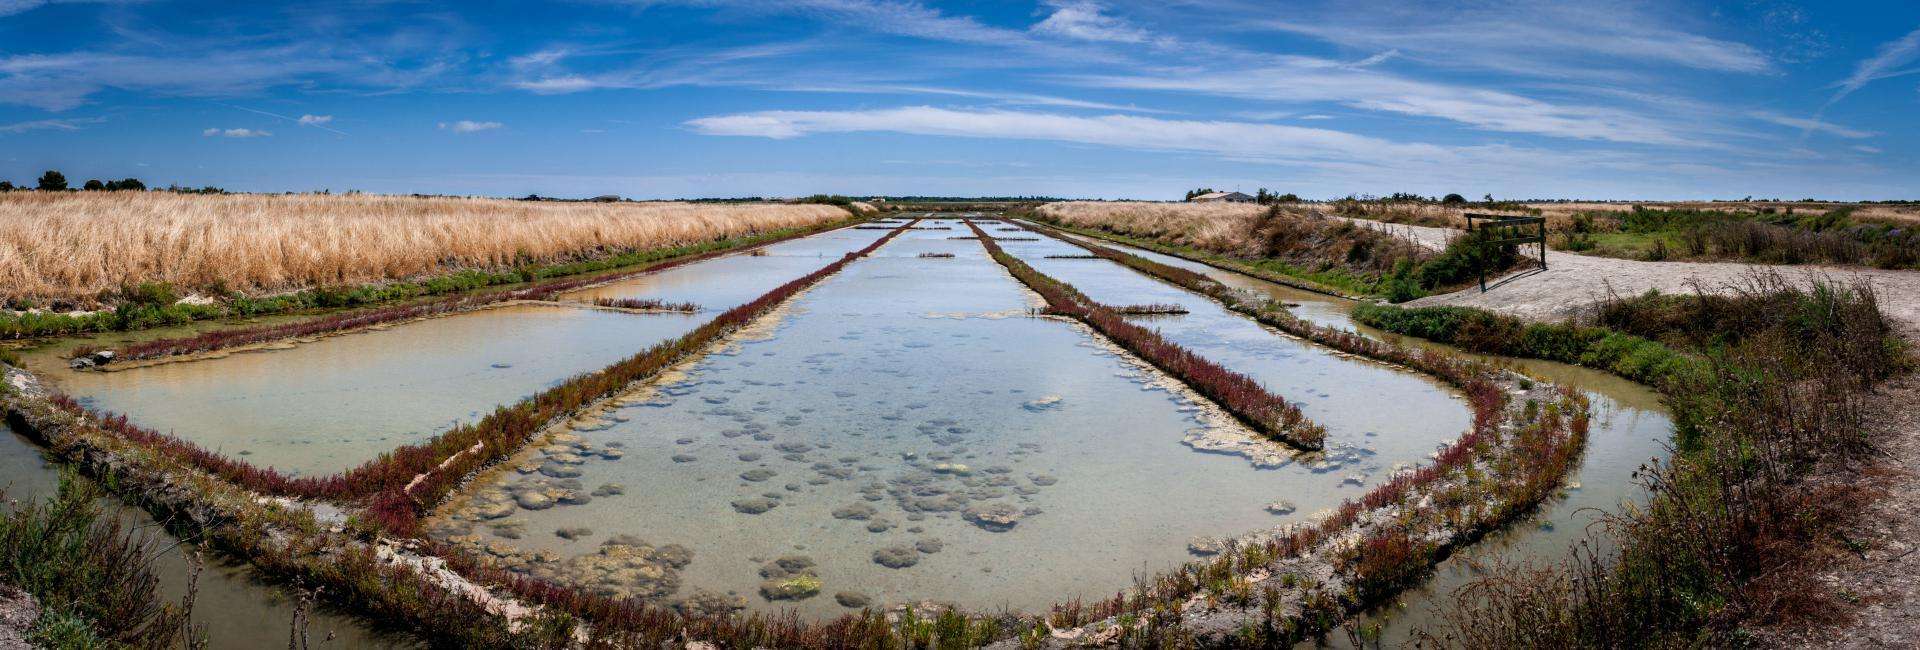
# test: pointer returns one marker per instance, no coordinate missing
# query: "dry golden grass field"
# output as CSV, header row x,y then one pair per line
x,y
1211,226
75,245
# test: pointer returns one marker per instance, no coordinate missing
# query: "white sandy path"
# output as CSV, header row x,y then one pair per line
x,y
1573,281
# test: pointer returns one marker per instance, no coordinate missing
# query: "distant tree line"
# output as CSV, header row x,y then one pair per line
x,y
54,181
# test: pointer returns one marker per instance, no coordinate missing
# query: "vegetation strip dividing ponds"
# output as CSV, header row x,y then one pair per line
x,y
647,304
226,338
1239,394
1201,256
1449,368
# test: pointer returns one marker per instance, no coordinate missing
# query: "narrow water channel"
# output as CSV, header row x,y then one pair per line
x,y
239,609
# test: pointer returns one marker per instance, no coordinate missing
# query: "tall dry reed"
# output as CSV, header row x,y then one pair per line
x,y
58,245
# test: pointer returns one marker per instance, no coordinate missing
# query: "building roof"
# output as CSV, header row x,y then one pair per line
x,y
1222,195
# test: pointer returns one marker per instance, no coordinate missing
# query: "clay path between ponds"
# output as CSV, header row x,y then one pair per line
x,y
1884,579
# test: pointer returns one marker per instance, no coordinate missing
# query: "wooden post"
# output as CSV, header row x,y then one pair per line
x,y
1508,226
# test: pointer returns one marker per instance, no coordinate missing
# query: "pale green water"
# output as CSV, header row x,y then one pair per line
x,y
335,403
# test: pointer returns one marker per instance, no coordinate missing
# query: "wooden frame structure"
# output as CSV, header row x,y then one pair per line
x,y
1509,231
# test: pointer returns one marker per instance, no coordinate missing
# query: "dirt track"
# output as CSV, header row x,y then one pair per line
x,y
1573,281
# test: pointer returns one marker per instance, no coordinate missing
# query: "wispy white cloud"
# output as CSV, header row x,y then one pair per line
x,y
1551,38
315,120
1245,140
70,124
1326,155
469,126
545,72
235,133
11,7
312,52
1086,20
1811,124
1294,79
1884,64
1866,149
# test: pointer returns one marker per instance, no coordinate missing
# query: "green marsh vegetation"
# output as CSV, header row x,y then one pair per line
x,y
1765,235
1768,384
1288,244
89,575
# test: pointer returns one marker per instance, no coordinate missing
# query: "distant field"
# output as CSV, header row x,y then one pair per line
x,y
76,245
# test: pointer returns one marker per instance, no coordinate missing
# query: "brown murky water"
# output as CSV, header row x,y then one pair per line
x,y
238,608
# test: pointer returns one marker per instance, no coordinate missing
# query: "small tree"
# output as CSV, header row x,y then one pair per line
x,y
53,181
1287,198
1454,199
6,186
94,185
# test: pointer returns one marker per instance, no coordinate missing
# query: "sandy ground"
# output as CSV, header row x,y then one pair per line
x,y
1573,281
1883,579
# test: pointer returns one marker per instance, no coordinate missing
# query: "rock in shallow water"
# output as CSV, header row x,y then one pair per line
x,y
755,505
797,587
852,599
1204,546
996,517
559,470
858,511
896,557
532,500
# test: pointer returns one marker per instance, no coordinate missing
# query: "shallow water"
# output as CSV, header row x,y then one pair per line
x,y
874,379
1396,413
334,403
238,609
723,283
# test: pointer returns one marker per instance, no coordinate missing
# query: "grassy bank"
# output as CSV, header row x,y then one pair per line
x,y
1297,246
649,261
1767,383
89,575
75,247
1763,233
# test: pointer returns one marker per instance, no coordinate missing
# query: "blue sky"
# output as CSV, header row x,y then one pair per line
x,y
670,98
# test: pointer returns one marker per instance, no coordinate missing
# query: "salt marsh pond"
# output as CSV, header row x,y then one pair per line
x,y
910,430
